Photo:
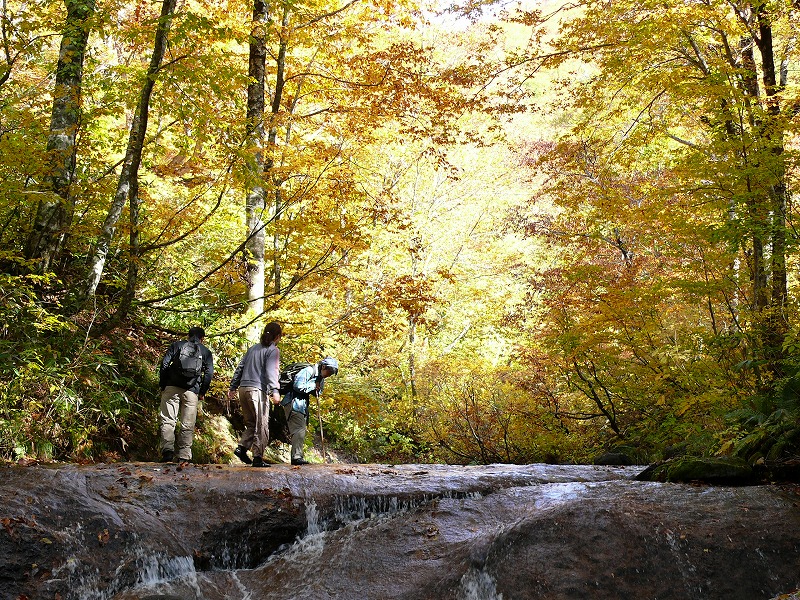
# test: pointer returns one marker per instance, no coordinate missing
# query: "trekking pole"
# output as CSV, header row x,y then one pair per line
x,y
321,434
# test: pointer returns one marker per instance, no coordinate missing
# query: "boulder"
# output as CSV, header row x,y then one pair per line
x,y
613,459
718,471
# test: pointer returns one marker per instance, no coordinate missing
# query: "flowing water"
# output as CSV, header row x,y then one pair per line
x,y
444,502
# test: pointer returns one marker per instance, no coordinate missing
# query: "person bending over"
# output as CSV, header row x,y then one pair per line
x,y
309,381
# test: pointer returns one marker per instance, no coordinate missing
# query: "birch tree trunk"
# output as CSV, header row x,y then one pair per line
x,y
128,180
255,201
272,138
55,211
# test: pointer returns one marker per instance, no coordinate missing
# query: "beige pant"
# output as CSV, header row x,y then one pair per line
x,y
297,431
177,402
255,410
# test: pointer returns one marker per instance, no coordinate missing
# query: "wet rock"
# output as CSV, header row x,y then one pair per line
x,y
719,471
615,459
377,532
783,470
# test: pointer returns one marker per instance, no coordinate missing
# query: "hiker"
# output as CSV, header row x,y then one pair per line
x,y
184,378
308,381
256,379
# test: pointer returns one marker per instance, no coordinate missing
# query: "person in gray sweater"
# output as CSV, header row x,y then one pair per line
x,y
256,380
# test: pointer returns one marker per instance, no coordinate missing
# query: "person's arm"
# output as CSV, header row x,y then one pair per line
x,y
208,368
305,381
163,371
320,380
237,378
272,368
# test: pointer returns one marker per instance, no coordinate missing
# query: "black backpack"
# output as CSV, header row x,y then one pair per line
x,y
278,425
286,379
188,364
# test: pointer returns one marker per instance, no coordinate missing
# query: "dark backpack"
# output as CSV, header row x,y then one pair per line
x,y
278,425
188,364
286,379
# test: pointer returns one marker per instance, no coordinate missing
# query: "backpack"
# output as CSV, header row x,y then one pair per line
x,y
278,425
286,379
188,364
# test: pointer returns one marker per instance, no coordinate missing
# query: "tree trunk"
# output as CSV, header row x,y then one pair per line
x,y
412,362
255,201
757,217
129,177
133,258
272,138
772,132
276,248
55,211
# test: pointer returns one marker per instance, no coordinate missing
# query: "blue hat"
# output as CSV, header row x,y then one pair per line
x,y
331,363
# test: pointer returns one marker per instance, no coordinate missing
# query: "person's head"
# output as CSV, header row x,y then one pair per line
x,y
196,333
272,333
328,366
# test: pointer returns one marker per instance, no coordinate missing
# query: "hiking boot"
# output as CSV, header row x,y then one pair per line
x,y
259,462
300,461
167,456
241,454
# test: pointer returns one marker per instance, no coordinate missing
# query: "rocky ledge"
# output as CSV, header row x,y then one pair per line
x,y
136,531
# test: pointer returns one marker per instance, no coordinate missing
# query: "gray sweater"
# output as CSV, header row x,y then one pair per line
x,y
259,368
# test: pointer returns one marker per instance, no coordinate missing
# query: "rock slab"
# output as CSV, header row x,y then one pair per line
x,y
146,531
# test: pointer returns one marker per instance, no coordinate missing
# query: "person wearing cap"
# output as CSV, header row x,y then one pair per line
x,y
308,381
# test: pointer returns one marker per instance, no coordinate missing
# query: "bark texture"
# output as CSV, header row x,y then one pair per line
x,y
55,211
128,184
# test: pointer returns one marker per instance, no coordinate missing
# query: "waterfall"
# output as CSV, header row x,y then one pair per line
x,y
158,569
478,585
155,572
353,508
314,525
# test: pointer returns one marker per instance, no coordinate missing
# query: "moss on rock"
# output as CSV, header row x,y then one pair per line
x,y
720,471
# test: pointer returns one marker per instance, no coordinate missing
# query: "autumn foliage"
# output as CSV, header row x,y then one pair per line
x,y
527,234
